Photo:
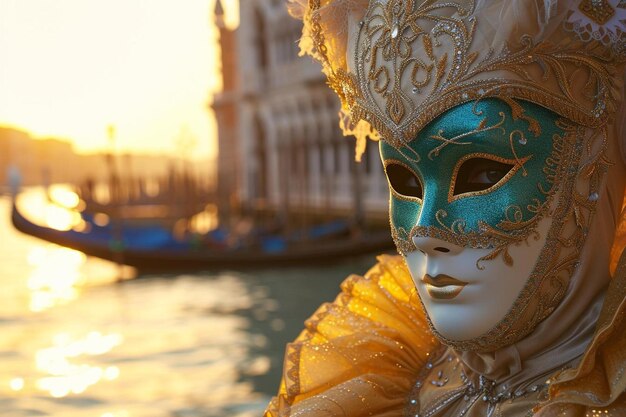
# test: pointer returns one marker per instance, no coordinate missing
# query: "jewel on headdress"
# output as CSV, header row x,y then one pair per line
x,y
599,20
600,11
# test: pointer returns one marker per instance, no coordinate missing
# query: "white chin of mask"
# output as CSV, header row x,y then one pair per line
x,y
462,301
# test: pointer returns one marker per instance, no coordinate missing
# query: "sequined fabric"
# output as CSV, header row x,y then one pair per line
x,y
447,388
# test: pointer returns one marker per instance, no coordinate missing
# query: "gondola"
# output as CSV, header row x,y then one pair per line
x,y
151,249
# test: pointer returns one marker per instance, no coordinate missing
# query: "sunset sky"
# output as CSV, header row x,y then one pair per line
x,y
70,68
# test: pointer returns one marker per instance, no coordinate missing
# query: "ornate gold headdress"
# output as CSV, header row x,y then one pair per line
x,y
570,61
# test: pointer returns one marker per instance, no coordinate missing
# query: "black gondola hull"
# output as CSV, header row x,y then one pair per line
x,y
149,260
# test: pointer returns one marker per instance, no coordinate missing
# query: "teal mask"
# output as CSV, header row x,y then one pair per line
x,y
476,176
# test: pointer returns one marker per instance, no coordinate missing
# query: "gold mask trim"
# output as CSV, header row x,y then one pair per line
x,y
393,190
516,163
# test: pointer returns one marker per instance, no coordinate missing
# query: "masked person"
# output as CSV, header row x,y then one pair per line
x,y
501,133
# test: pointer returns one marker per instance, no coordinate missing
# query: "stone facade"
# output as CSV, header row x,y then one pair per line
x,y
280,146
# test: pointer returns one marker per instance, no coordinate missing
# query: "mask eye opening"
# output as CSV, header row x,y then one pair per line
x,y
403,182
480,174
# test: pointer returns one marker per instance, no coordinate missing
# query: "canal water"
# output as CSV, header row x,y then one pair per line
x,y
77,342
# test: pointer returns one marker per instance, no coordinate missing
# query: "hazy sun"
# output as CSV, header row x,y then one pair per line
x,y
70,68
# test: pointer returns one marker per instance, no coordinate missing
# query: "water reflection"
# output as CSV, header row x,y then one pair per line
x,y
55,276
64,376
158,347
58,274
78,343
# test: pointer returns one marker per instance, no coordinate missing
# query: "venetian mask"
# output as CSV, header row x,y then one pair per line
x,y
468,204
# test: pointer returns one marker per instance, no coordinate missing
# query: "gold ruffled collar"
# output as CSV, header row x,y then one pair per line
x,y
362,355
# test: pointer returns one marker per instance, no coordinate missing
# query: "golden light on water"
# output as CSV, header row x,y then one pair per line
x,y
58,273
60,362
55,276
78,347
259,366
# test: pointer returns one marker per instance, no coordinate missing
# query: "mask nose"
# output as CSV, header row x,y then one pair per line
x,y
432,246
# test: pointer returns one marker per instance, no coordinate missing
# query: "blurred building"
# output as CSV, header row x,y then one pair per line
x,y
42,161
280,147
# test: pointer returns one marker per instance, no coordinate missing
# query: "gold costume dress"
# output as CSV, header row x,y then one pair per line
x,y
367,353
400,66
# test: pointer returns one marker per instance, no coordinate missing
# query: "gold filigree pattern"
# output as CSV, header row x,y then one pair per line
x,y
602,21
587,389
511,231
579,80
482,128
444,387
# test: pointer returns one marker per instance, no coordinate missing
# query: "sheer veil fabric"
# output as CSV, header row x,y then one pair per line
x,y
362,354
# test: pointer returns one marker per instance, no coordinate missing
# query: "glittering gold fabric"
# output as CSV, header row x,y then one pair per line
x,y
363,355
359,355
